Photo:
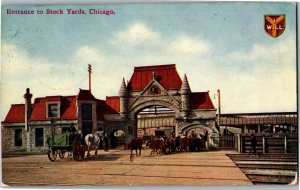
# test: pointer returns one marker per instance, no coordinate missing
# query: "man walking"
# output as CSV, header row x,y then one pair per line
x,y
105,142
253,143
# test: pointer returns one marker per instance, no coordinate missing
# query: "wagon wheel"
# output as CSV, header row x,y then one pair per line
x,y
52,154
61,154
76,149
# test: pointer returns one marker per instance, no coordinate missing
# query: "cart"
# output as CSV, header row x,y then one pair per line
x,y
59,144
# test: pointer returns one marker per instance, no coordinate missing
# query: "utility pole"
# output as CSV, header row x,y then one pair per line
x,y
219,107
90,76
219,104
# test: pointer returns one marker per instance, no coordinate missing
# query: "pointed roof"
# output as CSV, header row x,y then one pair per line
x,y
166,75
185,87
85,95
123,90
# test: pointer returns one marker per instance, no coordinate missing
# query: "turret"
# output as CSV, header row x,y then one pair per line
x,y
27,96
185,94
123,99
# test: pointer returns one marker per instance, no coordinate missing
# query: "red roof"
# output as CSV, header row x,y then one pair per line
x,y
166,75
68,108
53,98
100,109
200,100
112,104
16,114
85,95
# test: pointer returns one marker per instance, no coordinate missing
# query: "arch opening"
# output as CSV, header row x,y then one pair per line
x,y
196,129
155,120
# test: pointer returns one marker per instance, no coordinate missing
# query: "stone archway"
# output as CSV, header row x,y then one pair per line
x,y
134,112
188,128
212,136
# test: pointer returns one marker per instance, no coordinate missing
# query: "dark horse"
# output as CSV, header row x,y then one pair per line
x,y
136,144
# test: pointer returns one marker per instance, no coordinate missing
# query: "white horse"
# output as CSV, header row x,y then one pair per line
x,y
93,140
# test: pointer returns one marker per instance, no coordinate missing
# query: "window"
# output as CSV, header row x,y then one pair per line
x,y
87,122
18,137
39,137
52,110
86,111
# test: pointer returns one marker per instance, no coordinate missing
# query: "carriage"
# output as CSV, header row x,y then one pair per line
x,y
60,144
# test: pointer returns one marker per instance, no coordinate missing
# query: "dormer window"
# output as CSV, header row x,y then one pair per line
x,y
53,109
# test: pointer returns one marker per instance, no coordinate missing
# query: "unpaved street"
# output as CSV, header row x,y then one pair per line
x,y
115,168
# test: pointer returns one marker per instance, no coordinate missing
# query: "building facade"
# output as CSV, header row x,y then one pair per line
x,y
155,101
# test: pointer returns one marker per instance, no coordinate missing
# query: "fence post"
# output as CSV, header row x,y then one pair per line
x,y
264,147
239,143
242,143
285,144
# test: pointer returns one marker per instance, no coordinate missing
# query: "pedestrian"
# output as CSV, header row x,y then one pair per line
x,y
253,143
105,142
72,129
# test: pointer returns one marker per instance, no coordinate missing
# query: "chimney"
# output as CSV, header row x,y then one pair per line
x,y
90,76
27,96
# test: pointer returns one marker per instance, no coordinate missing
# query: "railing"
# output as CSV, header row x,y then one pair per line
x,y
262,119
225,142
270,143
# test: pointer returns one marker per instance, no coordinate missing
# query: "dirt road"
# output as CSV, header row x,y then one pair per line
x,y
115,168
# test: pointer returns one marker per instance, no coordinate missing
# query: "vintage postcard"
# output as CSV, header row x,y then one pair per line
x,y
152,94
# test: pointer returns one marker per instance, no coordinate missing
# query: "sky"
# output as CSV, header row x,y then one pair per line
x,y
217,45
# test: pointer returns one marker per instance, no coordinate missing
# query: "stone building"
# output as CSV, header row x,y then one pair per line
x,y
155,101
27,126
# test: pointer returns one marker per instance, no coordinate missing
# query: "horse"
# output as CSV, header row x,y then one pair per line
x,y
156,146
135,144
169,145
185,143
93,140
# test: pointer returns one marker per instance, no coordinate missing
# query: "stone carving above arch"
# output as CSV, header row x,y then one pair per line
x,y
154,91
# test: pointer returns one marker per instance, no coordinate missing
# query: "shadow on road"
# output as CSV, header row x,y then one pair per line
x,y
106,157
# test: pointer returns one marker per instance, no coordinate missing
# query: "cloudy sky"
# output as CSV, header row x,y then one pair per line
x,y
218,45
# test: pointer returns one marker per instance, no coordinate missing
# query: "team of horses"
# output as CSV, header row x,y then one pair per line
x,y
158,145
168,145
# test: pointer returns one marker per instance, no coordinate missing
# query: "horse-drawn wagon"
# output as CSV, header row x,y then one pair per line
x,y
59,144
